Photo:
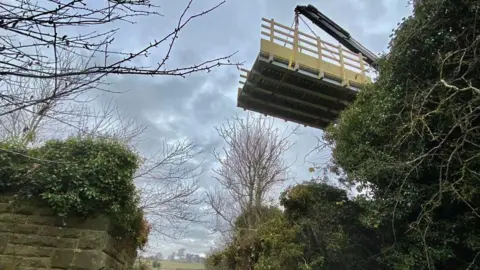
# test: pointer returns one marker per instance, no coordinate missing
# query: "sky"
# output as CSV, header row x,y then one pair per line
x,y
177,108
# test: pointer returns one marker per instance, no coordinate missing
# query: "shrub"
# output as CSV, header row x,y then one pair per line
x,y
78,176
156,264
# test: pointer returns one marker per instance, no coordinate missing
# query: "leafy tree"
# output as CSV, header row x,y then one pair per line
x,y
412,139
330,226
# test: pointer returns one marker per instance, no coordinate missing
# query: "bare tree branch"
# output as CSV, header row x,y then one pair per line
x,y
30,27
169,186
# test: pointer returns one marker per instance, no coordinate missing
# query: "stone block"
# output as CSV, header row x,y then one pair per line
x,y
3,242
121,249
43,241
98,223
28,251
25,209
32,268
32,210
59,232
7,198
111,246
13,218
111,263
89,260
18,228
42,220
62,259
17,262
93,240
4,207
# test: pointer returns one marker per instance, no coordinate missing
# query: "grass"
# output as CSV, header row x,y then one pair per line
x,y
174,265
178,265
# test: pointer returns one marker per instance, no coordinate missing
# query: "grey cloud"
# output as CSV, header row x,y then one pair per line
x,y
151,95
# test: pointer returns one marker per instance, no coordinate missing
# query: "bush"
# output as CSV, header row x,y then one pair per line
x,y
78,176
156,264
143,266
271,245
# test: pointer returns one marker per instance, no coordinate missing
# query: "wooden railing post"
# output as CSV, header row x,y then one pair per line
x,y
272,30
342,65
293,57
272,39
294,49
319,52
362,67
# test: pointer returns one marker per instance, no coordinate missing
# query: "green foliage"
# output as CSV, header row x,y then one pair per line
x,y
81,177
329,223
241,253
320,228
413,138
279,246
12,164
156,264
271,245
143,265
256,216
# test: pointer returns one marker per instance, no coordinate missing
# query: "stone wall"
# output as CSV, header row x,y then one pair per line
x,y
31,237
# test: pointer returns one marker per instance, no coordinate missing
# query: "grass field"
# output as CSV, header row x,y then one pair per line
x,y
175,265
178,265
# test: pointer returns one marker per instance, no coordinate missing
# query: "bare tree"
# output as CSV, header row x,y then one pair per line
x,y
35,34
168,181
250,165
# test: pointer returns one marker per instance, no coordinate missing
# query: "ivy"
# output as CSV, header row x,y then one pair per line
x,y
413,138
78,177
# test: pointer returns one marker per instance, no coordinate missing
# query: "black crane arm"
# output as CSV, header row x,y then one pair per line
x,y
337,32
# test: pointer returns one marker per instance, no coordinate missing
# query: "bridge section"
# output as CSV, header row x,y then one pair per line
x,y
300,78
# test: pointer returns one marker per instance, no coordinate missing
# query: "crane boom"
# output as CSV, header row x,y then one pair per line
x,y
337,32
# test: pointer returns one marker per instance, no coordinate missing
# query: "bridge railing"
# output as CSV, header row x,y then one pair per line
x,y
314,46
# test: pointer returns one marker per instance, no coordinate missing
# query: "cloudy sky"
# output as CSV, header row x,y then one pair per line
x,y
176,108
